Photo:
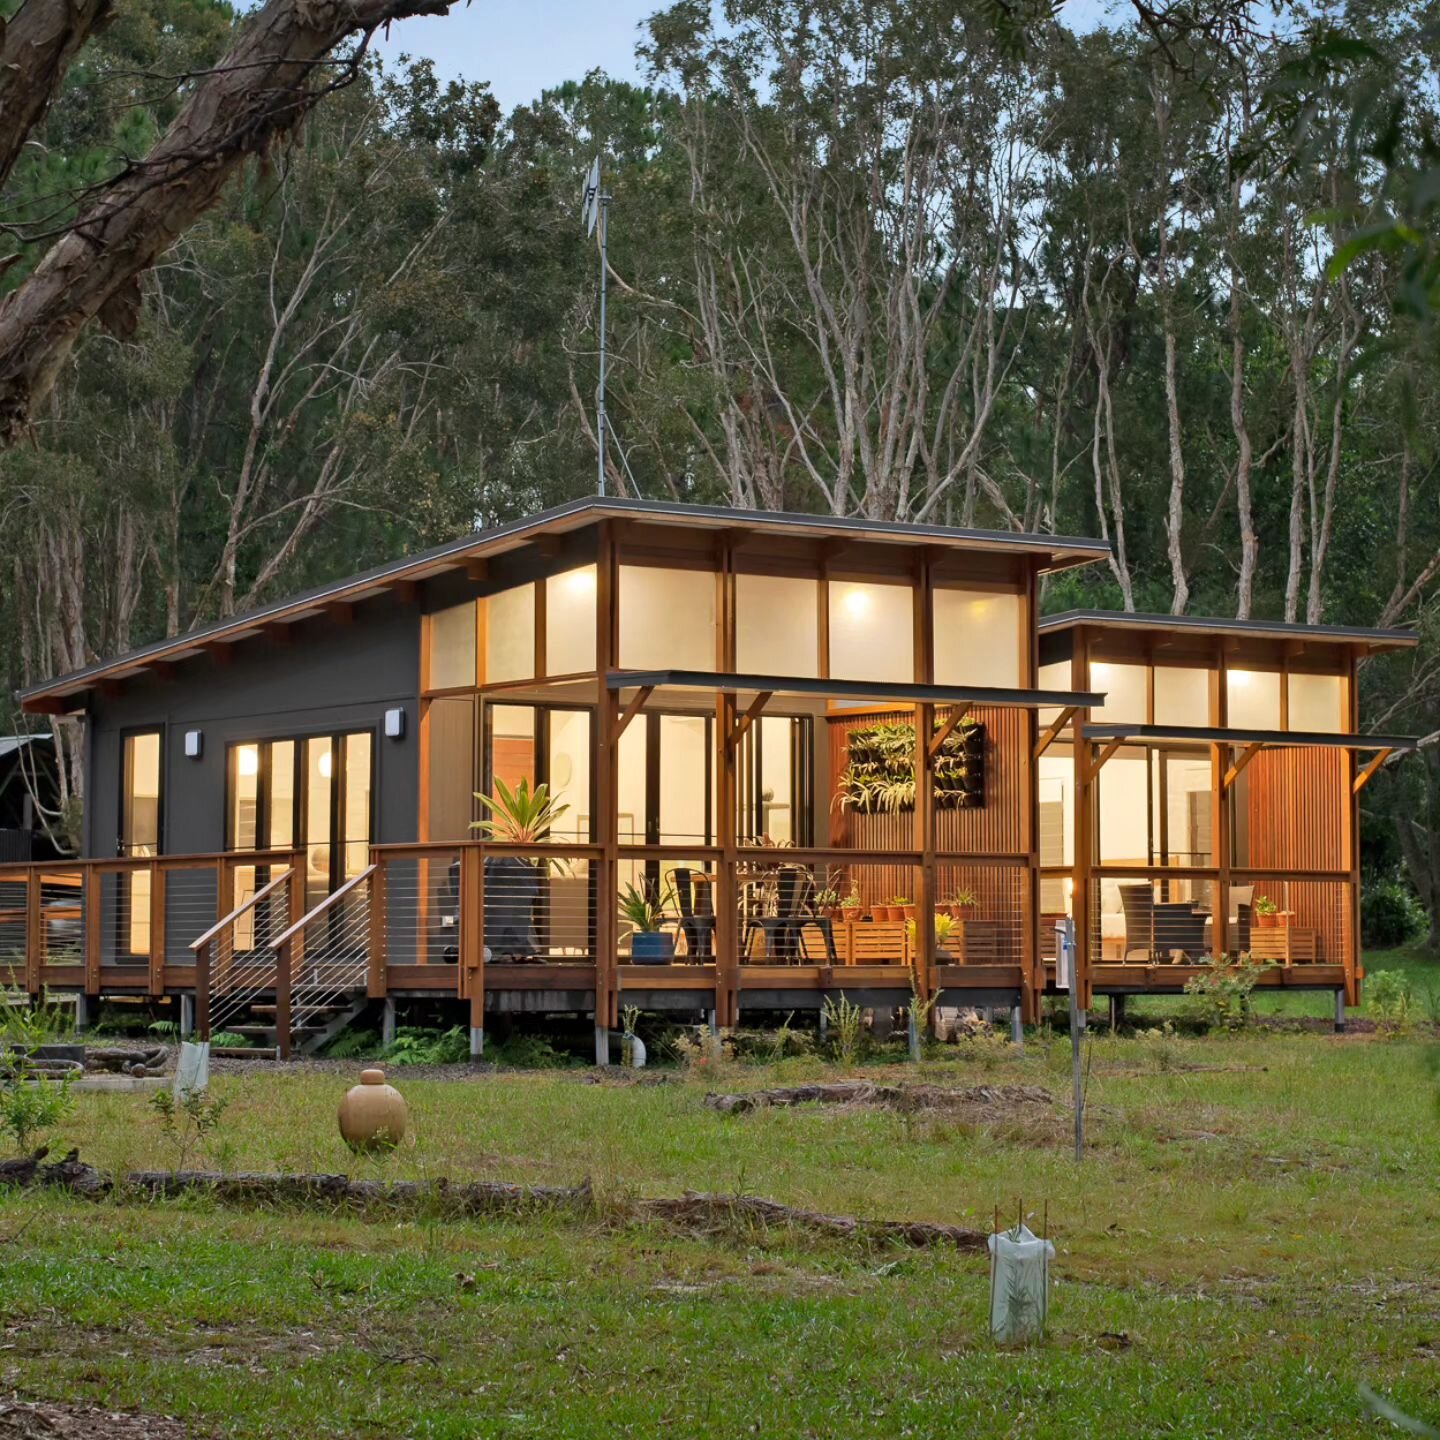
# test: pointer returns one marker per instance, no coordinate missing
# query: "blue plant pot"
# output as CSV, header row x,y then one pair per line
x,y
652,947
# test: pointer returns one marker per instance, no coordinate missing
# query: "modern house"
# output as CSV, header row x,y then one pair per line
x,y
800,738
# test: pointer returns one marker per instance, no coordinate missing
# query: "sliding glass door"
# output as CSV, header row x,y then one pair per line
x,y
139,837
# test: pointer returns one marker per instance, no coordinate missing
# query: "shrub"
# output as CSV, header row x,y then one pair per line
x,y
1221,992
846,1026
524,1051
354,1045
429,1047
1387,997
1390,915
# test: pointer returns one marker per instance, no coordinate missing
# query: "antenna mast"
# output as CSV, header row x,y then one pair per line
x,y
595,207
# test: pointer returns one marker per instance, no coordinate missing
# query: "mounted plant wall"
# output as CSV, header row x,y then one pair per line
x,y
879,775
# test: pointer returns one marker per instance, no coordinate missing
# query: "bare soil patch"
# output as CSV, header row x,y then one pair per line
x,y
971,1101
41,1420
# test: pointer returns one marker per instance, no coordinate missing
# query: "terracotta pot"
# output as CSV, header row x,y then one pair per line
x,y
907,912
1282,919
963,912
373,1115
887,913
1266,922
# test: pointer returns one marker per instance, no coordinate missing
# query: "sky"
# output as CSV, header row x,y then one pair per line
x,y
525,46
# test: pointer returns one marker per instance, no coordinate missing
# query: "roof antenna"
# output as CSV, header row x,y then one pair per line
x,y
595,205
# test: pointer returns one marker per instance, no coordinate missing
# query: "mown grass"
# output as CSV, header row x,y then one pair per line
x,y
1242,1248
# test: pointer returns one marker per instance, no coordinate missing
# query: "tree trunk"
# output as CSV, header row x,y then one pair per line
x,y
260,91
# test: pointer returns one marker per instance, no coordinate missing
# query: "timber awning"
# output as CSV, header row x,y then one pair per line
x,y
882,692
1248,743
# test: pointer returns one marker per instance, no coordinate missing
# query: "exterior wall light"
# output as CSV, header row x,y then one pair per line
x,y
194,744
395,724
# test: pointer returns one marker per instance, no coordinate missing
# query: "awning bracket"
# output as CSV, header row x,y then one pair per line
x,y
1053,730
1363,778
749,717
947,729
1241,761
633,708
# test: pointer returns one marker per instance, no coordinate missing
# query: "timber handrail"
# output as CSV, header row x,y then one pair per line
x,y
324,905
240,909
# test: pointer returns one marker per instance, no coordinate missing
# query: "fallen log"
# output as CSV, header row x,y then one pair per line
x,y
480,1197
694,1210
699,1211
127,1060
905,1099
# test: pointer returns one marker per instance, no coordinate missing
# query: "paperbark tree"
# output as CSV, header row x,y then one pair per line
x,y
281,64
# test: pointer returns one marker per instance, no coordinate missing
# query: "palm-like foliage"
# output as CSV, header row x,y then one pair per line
x,y
520,816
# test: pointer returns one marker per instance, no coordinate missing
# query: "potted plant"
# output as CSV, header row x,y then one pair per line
x,y
850,906
963,905
521,816
650,944
944,925
901,908
1265,913
827,902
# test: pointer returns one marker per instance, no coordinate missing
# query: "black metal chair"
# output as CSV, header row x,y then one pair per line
x,y
697,913
784,930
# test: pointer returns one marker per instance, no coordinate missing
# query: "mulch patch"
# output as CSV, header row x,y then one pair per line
x,y
41,1420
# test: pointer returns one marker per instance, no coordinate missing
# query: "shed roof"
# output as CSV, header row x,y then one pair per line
x,y
1052,552
1374,640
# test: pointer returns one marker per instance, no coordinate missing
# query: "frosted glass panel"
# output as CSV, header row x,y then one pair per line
x,y
510,634
872,631
667,618
452,647
777,626
1125,812
1056,782
570,622
977,638
1182,696
1315,704
1054,676
1124,688
1254,697
683,758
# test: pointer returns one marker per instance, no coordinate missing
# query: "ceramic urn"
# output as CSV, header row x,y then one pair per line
x,y
373,1114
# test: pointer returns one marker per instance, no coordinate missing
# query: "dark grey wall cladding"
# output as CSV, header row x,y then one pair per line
x,y
1056,647
329,678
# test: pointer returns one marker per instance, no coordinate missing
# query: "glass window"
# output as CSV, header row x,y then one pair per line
x,y
777,626
245,798
1253,699
568,772
977,638
510,635
570,622
512,745
319,775
684,763
1182,695
280,811
1124,801
1056,781
356,803
139,833
1054,676
667,618
452,647
1125,690
1317,704
872,631
1183,808
630,782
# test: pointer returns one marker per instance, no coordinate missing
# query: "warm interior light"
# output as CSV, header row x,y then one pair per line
x,y
857,603
1069,886
326,766
581,583
249,760
1239,678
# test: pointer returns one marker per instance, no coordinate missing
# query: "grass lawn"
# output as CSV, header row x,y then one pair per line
x,y
1243,1247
